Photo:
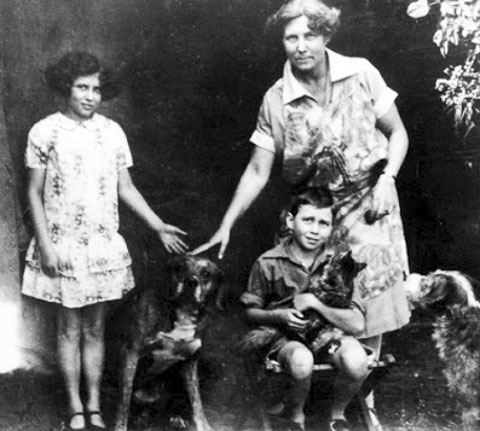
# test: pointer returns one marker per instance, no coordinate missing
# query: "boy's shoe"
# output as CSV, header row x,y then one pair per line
x,y
339,425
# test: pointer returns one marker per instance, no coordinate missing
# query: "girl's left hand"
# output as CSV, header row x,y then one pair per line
x,y
383,198
304,301
170,237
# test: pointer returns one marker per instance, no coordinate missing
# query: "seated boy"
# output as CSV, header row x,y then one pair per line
x,y
284,271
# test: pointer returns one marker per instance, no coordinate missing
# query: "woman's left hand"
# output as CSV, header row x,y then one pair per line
x,y
305,301
383,198
170,237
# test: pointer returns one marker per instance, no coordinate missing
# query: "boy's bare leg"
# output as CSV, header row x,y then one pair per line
x,y
352,363
297,360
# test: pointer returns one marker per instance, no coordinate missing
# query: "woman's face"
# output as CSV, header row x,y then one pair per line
x,y
304,48
84,98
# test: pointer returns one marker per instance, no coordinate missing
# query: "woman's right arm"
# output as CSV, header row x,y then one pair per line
x,y
253,181
49,258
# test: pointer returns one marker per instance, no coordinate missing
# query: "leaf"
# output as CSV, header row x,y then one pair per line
x,y
446,9
438,38
418,9
476,39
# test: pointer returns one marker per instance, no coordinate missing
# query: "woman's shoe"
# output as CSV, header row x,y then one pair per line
x,y
68,426
93,427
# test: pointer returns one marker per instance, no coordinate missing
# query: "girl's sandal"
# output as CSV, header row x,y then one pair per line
x,y
93,427
68,426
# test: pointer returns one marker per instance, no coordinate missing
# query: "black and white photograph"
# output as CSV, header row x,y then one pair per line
x,y
240,215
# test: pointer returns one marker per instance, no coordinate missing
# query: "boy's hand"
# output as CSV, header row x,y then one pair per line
x,y
170,237
305,301
292,319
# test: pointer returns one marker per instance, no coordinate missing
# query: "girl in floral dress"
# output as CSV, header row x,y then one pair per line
x,y
78,164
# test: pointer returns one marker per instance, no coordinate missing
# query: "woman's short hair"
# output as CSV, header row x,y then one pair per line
x,y
61,75
323,15
318,197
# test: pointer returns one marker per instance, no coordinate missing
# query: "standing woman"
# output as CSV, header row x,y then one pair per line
x,y
78,164
332,121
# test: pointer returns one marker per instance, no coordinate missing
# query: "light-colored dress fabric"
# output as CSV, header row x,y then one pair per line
x,y
338,145
82,161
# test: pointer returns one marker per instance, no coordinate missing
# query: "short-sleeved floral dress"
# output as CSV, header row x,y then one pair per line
x,y
82,161
339,146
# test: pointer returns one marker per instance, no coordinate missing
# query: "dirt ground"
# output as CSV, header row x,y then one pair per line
x,y
413,396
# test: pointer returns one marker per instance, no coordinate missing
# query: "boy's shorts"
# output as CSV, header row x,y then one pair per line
x,y
324,356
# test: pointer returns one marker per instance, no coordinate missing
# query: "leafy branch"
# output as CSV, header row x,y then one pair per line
x,y
459,24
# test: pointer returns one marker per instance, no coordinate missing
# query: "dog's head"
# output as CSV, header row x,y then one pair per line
x,y
195,282
441,290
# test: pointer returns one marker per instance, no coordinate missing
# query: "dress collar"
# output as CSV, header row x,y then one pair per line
x,y
339,66
68,123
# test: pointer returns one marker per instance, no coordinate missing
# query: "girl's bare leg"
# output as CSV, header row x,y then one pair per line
x,y
93,354
69,324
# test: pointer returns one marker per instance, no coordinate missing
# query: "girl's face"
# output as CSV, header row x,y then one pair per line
x,y
84,98
304,48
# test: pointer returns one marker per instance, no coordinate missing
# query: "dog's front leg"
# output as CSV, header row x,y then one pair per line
x,y
189,373
128,367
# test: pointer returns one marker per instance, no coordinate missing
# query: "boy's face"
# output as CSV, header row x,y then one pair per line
x,y
311,226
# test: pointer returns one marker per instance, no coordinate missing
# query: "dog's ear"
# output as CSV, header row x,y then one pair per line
x,y
220,299
456,295
176,265
445,291
216,296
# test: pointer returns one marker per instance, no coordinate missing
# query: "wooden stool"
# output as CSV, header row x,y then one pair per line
x,y
257,373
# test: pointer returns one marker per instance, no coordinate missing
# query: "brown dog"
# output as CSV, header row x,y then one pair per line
x,y
168,331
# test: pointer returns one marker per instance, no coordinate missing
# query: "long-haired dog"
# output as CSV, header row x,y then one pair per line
x,y
332,283
451,296
163,327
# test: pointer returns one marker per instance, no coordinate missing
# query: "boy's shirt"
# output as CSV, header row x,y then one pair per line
x,y
277,274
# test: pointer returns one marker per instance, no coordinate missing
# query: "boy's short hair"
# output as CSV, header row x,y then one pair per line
x,y
61,75
318,197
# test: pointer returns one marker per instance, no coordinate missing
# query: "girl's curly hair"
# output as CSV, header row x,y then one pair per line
x,y
323,15
61,75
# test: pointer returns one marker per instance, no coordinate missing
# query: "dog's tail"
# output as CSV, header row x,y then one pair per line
x,y
259,340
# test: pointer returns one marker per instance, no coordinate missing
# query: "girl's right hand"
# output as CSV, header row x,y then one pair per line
x,y
291,318
50,262
221,236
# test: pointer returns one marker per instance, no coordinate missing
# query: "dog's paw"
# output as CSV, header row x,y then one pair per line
x,y
177,422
